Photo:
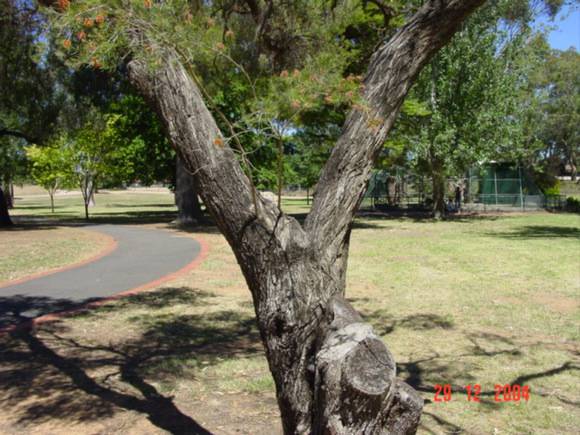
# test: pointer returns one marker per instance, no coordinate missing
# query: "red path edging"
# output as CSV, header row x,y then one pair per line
x,y
109,247
51,317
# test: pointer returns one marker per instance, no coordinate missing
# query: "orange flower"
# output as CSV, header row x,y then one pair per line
x,y
95,63
88,22
67,43
148,4
218,141
100,19
284,74
296,73
81,35
63,4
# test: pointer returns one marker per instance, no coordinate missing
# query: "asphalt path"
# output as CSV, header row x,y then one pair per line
x,y
143,255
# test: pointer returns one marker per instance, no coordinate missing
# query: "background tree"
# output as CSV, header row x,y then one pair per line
x,y
48,167
559,89
88,154
467,99
28,103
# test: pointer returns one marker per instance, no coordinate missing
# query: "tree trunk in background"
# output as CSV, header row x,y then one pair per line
x,y
438,195
573,166
5,220
333,375
9,192
189,210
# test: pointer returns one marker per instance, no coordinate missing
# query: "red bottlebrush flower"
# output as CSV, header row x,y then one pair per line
x,y
95,63
63,5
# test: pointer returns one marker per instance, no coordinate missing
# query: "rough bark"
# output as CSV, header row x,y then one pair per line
x,y
189,210
332,373
5,220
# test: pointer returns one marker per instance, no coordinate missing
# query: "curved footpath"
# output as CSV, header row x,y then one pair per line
x,y
143,258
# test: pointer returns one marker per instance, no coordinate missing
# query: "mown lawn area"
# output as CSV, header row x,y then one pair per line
x,y
481,300
32,249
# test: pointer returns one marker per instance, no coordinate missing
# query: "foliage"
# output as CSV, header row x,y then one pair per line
x,y
559,88
139,149
573,204
48,166
26,97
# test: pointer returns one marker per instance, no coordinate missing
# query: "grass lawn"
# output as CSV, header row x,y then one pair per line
x,y
29,250
489,300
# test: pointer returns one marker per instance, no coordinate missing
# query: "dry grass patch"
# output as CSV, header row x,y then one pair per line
x,y
28,250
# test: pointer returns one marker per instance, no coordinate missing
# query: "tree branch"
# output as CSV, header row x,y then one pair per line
x,y
391,73
18,134
220,180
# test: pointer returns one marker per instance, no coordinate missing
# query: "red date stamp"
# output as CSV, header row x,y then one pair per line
x,y
502,393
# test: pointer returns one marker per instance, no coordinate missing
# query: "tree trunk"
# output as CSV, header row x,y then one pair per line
x,y
573,166
189,210
438,195
332,373
51,194
5,220
9,192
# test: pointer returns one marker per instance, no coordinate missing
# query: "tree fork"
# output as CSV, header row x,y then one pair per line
x,y
332,373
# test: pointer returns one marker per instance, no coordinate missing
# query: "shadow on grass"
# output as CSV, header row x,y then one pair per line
x,y
530,232
49,375
457,368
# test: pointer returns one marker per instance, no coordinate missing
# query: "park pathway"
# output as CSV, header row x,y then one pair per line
x,y
143,255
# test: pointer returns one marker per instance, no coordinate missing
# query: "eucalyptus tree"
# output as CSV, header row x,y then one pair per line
x,y
559,87
25,94
332,373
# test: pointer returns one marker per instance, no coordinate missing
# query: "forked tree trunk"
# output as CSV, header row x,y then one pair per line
x,y
189,210
333,375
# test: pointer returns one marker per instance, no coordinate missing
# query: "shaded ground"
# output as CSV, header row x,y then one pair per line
x,y
474,301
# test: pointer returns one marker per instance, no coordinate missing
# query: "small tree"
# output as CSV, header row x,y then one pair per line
x,y
48,167
88,155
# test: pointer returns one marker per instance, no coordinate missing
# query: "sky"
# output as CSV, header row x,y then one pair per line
x,y
567,28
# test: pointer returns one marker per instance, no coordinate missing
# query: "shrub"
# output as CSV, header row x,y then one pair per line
x,y
573,204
